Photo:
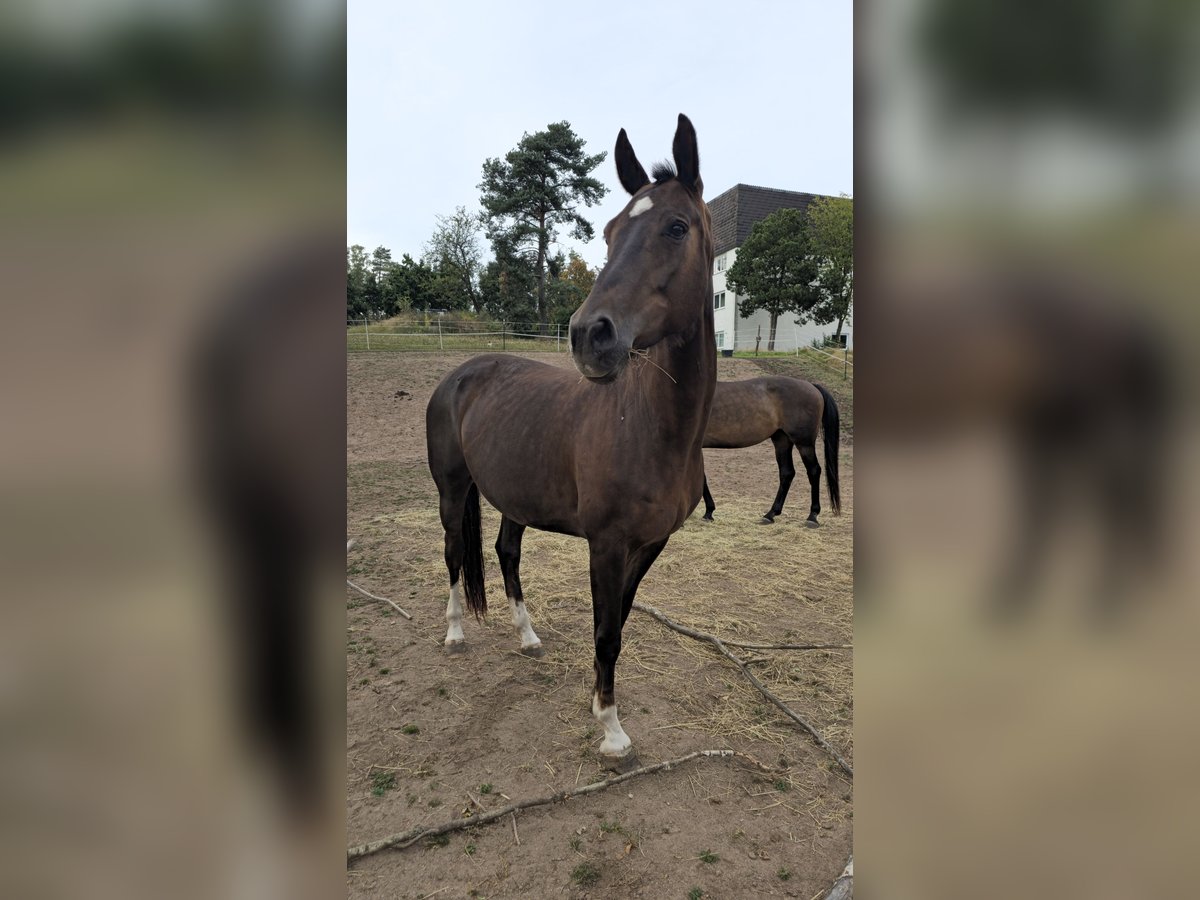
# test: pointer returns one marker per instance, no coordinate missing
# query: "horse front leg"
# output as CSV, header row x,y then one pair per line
x,y
608,573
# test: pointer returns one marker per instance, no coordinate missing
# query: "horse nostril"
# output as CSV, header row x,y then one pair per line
x,y
575,336
602,334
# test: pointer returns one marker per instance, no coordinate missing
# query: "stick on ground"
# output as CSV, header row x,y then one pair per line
x,y
350,544
741,646
720,645
410,837
367,593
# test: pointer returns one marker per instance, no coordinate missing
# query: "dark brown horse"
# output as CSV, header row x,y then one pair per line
x,y
789,412
611,454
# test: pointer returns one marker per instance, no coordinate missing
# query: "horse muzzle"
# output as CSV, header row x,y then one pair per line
x,y
597,348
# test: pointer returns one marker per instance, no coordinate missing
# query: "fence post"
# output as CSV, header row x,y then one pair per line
x,y
503,335
845,360
440,345
367,332
558,338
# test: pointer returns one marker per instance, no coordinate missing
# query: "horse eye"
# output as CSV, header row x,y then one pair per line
x,y
678,229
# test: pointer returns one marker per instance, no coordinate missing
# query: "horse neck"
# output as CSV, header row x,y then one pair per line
x,y
681,393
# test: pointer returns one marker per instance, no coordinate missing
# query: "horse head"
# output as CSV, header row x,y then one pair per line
x,y
656,283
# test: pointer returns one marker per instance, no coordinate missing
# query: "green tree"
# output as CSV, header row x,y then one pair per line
x,y
572,282
413,285
774,269
380,287
454,254
831,243
537,188
508,285
357,276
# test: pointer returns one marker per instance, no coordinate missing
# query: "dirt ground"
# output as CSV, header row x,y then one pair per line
x,y
430,737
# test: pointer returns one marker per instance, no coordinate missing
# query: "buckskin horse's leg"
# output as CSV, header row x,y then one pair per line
x,y
608,570
808,455
787,471
709,505
508,548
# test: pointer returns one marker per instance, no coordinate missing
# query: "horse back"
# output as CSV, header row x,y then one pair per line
x,y
506,423
745,413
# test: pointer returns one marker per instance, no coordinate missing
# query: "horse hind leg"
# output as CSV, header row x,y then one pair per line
x,y
452,507
459,511
709,505
508,548
808,455
787,471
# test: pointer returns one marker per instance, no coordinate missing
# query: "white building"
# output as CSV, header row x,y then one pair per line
x,y
734,213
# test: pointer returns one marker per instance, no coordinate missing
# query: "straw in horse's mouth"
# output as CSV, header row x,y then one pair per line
x,y
645,355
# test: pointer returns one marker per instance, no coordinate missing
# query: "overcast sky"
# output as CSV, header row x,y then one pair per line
x,y
436,88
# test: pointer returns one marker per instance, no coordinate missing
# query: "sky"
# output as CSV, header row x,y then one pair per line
x,y
434,89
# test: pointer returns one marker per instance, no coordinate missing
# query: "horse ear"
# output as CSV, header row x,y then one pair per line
x,y
687,156
629,170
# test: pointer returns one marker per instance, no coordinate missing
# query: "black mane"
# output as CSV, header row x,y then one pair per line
x,y
662,171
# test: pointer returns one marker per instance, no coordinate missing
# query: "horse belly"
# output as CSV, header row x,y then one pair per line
x,y
742,425
524,479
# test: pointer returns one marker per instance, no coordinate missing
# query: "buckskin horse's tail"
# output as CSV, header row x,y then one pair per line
x,y
473,555
830,425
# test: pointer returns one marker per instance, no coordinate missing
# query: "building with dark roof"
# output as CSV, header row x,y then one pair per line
x,y
734,213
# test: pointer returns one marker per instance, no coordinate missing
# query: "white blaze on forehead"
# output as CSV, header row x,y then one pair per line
x,y
641,206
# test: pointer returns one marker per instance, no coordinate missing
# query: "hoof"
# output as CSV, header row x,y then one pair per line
x,y
456,648
706,518
535,651
766,521
627,762
811,523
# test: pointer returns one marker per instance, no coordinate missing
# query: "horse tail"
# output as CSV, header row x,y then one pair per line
x,y
473,555
830,425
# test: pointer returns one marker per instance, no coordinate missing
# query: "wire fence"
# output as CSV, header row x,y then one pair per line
x,y
440,334
836,353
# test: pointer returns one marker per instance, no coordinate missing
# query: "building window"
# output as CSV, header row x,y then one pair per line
x,y
721,263
720,339
719,300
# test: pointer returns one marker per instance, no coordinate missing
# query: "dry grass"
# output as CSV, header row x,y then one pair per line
x,y
700,580
494,716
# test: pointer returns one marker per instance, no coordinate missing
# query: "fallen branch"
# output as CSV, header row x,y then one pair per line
x,y
350,544
843,885
783,707
705,636
785,646
367,593
410,837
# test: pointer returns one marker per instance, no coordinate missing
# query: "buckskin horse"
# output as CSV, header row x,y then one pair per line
x,y
788,411
612,453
